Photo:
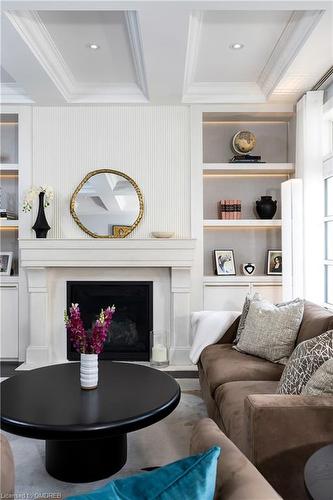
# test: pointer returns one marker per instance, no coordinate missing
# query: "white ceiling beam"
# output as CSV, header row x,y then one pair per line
x,y
294,36
32,30
164,40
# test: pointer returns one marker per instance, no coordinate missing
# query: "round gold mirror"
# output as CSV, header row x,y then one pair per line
x,y
107,204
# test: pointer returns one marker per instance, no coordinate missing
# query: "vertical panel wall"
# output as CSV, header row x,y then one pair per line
x,y
149,143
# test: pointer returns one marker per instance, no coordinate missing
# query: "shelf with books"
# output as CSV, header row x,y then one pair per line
x,y
216,223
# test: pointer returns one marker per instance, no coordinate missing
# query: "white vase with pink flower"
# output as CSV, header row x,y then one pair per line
x,y
88,343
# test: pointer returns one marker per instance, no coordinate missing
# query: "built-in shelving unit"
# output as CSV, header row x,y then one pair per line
x,y
15,162
249,237
9,177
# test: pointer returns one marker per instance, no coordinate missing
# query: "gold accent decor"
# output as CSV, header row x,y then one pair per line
x,y
118,231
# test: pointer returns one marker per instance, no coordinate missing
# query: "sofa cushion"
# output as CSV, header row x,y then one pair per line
x,y
7,472
321,381
230,399
270,331
241,325
192,477
304,361
316,320
221,364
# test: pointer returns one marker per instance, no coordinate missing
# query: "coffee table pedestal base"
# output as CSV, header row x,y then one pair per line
x,y
85,460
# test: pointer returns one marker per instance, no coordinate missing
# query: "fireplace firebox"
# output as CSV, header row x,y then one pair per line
x,y
129,335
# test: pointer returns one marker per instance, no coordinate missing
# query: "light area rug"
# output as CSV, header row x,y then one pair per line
x,y
159,444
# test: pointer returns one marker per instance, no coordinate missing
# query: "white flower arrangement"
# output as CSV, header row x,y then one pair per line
x,y
33,193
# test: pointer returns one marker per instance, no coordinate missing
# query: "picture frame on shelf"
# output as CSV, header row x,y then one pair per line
x,y
274,262
224,262
6,260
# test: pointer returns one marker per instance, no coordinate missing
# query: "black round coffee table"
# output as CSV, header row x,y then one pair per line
x,y
86,431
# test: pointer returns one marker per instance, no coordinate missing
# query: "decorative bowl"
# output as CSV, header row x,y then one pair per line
x,y
162,234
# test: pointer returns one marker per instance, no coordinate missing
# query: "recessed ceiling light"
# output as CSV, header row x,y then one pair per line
x,y
236,46
93,46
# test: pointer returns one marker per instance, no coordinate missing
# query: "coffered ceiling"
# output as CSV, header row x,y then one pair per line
x,y
163,51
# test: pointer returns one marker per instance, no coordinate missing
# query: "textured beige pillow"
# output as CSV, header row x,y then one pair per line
x,y
248,299
321,381
270,331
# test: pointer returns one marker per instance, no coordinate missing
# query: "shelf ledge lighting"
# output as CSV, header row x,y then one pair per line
x,y
234,122
245,175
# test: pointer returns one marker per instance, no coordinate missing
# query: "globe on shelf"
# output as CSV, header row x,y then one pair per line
x,y
243,142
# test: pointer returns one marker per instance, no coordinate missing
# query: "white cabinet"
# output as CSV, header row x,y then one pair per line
x,y
231,297
9,321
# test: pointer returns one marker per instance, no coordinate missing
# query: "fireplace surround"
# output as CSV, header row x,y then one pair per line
x,y
129,334
50,263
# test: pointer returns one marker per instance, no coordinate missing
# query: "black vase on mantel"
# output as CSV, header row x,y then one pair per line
x,y
266,207
41,226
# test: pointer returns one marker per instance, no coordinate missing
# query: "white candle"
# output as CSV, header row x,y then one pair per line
x,y
159,353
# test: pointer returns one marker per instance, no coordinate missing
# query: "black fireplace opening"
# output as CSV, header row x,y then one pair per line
x,y
129,334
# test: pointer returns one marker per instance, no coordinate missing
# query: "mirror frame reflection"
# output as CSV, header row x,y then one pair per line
x,y
122,231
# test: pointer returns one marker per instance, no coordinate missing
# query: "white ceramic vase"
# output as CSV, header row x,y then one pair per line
x,y
89,371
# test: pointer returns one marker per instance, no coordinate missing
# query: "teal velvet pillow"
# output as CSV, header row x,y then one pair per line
x,y
191,478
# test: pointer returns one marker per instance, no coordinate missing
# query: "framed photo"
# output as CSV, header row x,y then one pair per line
x,y
120,231
224,262
6,259
274,262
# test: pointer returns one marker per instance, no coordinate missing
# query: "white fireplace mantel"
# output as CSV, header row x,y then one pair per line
x,y
106,253
38,256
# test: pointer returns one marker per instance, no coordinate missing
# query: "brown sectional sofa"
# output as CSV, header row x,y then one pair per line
x,y
236,478
277,433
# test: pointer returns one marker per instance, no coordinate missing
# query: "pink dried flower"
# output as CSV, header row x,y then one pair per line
x,y
91,342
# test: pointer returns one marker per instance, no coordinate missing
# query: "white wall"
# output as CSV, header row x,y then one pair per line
x,y
149,143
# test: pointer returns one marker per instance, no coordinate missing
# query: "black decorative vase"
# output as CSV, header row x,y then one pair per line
x,y
41,226
266,207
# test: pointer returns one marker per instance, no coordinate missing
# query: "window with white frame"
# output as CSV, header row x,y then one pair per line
x,y
329,241
328,180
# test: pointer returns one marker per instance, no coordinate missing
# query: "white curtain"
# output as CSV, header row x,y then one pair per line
x,y
309,157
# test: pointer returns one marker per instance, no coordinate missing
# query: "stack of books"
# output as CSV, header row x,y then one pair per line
x,y
246,159
5,214
230,209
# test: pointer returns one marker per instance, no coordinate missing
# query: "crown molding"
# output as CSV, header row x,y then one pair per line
x,y
212,92
134,34
35,34
193,41
227,92
32,30
11,93
295,34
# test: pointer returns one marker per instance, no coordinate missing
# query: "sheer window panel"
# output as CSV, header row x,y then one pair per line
x,y
329,284
329,240
329,196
